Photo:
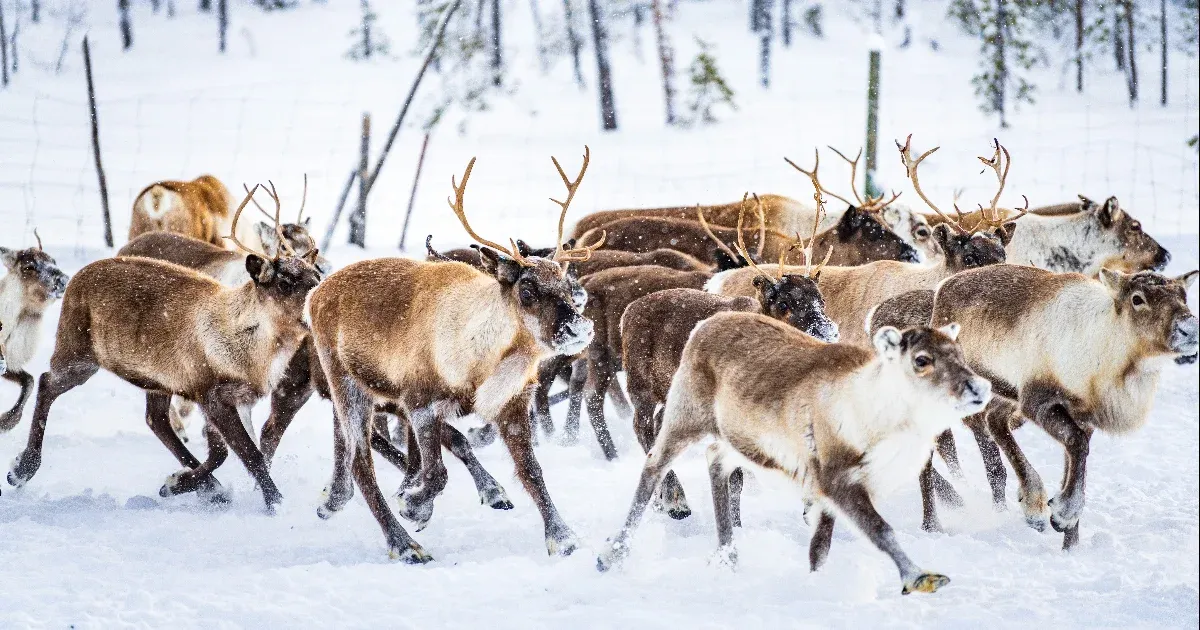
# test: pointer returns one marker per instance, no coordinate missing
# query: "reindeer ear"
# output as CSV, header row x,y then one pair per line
x,y
765,287
941,236
9,257
1005,232
503,268
1085,204
1110,212
260,269
306,222
887,343
1112,279
1188,280
850,222
951,330
523,248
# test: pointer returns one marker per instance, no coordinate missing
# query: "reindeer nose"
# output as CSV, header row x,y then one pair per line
x,y
1186,335
1161,259
978,390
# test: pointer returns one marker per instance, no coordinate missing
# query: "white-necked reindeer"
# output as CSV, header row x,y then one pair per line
x,y
32,284
848,424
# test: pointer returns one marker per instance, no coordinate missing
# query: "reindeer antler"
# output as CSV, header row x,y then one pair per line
x,y
283,246
990,217
237,216
910,169
853,173
457,207
303,200
812,175
260,208
708,230
39,240
584,252
741,242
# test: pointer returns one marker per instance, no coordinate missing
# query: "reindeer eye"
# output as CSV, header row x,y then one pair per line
x,y
1138,300
526,295
1135,226
922,232
922,361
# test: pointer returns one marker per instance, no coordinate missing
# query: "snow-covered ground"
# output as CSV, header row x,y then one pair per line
x,y
88,542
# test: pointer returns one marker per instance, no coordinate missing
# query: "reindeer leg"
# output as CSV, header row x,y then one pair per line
x,y
352,407
12,417
539,413
158,417
491,493
671,441
992,463
602,371
822,539
575,393
1075,438
386,449
737,480
58,381
1032,493
947,449
416,499
220,406
180,409
853,499
718,476
619,400
929,517
289,396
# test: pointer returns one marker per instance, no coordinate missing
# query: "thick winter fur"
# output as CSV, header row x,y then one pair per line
x,y
172,330
1082,238
1078,355
610,258
32,283
655,328
198,208
439,339
851,292
856,239
846,423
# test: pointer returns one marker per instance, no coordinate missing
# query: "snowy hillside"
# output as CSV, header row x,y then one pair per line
x,y
88,542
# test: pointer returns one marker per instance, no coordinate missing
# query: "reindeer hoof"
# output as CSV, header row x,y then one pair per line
x,y
726,556
561,544
482,436
933,526
495,498
324,513
612,556
418,513
1063,514
22,470
411,553
211,491
925,583
1036,509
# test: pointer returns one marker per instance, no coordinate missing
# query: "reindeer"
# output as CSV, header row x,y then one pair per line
x,y
437,339
1076,354
655,328
846,423
198,208
32,283
170,330
227,266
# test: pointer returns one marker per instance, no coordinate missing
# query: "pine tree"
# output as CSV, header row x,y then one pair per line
x,y
367,39
666,58
1007,51
708,87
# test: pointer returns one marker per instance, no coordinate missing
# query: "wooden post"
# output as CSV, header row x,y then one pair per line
x,y
87,66
337,212
1162,22
222,23
412,197
3,50
872,121
358,220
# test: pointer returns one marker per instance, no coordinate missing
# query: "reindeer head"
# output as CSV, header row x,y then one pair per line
x,y
284,278
541,288
578,294
296,235
862,231
1155,307
1128,247
41,279
968,251
795,299
931,361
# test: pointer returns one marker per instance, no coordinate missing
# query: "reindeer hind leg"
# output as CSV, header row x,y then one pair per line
x,y
491,493
64,375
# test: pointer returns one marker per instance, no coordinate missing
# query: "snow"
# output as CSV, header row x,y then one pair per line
x,y
89,543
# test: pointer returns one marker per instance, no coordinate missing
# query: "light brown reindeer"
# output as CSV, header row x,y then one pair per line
x,y
845,423
170,330
32,283
439,339
198,208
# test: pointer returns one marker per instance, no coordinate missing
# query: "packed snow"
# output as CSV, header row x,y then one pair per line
x,y
89,543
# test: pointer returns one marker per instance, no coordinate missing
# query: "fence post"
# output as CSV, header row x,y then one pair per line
x,y
87,65
873,115
358,220
412,197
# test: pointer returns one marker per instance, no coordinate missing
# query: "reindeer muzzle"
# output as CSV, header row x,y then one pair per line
x,y
1161,259
975,394
1185,336
574,336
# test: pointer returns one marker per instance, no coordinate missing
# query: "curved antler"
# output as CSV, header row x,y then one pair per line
x,y
812,175
708,230
741,242
559,253
283,246
303,200
990,217
910,169
457,206
238,215
853,173
39,240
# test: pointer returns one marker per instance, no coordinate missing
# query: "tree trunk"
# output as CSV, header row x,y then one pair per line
x,y
786,23
12,41
155,5
1079,46
543,61
496,60
366,29
95,120
222,23
126,25
666,57
574,40
1001,63
35,11
765,33
1118,38
1131,49
358,218
899,10
3,50
755,15
1162,25
206,5
608,108
170,8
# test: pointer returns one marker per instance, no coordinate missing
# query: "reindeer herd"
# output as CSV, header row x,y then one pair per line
x,y
838,353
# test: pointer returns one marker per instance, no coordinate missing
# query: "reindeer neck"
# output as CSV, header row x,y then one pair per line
x,y
1066,243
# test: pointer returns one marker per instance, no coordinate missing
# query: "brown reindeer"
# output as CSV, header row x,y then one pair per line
x,y
847,424
172,330
32,283
439,339
198,208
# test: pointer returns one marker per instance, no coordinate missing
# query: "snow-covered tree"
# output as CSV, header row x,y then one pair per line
x,y
708,89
